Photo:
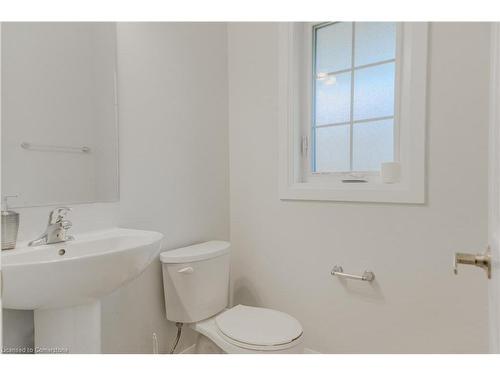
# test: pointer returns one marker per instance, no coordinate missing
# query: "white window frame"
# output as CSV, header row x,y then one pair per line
x,y
295,105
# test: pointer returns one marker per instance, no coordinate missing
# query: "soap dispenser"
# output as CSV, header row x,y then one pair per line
x,y
10,224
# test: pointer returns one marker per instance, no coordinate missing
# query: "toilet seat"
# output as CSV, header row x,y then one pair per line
x,y
258,328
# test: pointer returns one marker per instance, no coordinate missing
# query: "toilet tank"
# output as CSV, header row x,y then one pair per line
x,y
196,281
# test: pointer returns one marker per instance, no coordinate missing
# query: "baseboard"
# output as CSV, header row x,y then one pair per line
x,y
310,351
189,350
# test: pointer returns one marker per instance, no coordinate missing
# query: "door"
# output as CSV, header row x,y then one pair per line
x,y
494,191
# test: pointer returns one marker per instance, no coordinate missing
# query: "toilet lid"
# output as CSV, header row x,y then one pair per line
x,y
258,326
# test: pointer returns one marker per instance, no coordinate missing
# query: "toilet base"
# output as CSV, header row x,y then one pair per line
x,y
204,345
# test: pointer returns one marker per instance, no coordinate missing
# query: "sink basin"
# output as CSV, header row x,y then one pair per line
x,y
68,279
75,272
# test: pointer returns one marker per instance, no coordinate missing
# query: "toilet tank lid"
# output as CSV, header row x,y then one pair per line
x,y
193,253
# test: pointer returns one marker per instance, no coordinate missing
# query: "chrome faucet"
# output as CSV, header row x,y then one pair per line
x,y
56,228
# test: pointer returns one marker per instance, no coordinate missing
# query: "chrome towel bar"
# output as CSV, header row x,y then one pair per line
x,y
366,276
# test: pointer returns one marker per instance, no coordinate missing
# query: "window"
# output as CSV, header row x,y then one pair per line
x,y
354,85
352,97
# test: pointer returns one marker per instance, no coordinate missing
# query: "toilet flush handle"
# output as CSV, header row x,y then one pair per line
x,y
186,270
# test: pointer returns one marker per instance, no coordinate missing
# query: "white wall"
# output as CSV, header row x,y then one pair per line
x,y
174,160
284,250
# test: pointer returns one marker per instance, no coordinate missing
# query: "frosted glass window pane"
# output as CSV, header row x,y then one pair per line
x,y
373,143
375,41
374,92
333,47
333,99
332,148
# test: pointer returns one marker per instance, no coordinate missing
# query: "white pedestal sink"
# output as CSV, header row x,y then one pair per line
x,y
63,283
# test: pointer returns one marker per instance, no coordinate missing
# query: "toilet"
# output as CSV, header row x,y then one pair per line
x,y
196,286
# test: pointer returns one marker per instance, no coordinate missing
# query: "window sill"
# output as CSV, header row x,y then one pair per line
x,y
353,192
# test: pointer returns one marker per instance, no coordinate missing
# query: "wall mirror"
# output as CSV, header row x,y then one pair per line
x,y
59,113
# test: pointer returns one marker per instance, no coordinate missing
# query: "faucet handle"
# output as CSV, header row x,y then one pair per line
x,y
58,214
66,224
